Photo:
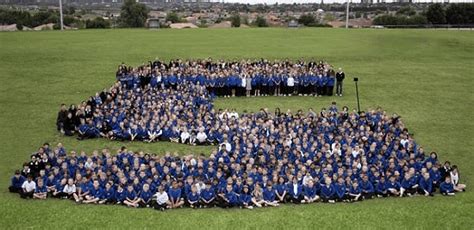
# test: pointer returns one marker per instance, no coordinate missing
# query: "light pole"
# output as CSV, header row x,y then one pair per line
x,y
347,14
357,94
61,14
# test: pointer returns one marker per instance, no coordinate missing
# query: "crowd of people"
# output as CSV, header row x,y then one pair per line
x,y
173,102
238,78
261,158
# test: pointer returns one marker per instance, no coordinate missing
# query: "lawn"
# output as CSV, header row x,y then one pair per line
x,y
426,76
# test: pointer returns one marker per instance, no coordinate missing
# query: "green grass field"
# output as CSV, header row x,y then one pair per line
x,y
426,76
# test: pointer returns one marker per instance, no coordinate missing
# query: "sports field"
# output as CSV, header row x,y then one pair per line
x,y
425,76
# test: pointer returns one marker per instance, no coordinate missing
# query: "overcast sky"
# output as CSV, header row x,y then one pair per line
x,y
318,1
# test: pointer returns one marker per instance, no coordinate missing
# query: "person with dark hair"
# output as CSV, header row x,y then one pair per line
x,y
16,182
340,75
161,199
447,187
454,175
330,84
28,188
41,191
445,170
61,118
328,192
425,185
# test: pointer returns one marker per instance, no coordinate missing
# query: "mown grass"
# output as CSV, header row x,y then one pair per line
x,y
425,76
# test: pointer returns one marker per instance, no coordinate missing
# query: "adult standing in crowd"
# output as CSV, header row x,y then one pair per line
x,y
339,79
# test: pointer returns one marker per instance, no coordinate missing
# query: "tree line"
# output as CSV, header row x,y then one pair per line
x,y
436,14
132,14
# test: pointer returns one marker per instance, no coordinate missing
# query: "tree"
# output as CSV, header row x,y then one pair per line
x,y
245,20
261,22
436,14
235,20
71,10
460,13
173,17
69,20
306,19
133,14
406,10
97,23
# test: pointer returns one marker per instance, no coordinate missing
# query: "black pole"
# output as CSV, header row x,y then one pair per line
x,y
357,94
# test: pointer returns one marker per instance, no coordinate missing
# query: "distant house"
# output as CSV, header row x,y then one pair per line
x,y
293,24
224,24
153,23
182,25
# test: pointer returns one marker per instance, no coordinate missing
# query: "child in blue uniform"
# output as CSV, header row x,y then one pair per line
x,y
245,198
355,193
425,185
341,190
16,182
145,196
281,190
269,195
368,190
393,187
192,197
41,192
447,187
95,193
230,198
328,191
310,193
131,199
208,195
108,197
295,191
175,195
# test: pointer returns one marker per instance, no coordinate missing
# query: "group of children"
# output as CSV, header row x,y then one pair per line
x,y
156,112
262,158
242,78
136,179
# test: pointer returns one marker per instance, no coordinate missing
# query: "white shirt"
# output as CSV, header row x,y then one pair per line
x,y
454,178
243,83
295,188
233,114
185,136
161,198
306,179
227,146
29,186
355,153
201,136
69,188
290,82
